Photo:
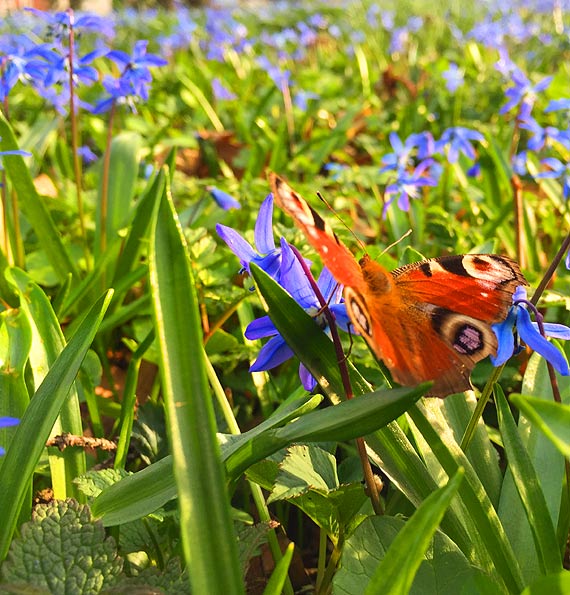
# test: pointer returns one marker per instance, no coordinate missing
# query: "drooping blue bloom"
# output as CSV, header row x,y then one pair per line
x,y
265,254
518,319
523,93
6,422
294,280
540,135
454,77
558,104
87,154
557,170
223,199
221,92
408,186
458,139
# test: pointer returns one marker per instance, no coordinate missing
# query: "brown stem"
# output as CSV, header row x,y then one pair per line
x,y
343,368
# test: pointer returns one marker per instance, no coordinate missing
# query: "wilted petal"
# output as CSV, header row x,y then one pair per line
x,y
273,353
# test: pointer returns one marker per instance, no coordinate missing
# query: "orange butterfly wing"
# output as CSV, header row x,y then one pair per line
x,y
428,320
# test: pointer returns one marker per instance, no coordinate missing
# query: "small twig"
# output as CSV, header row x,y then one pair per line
x,y
62,441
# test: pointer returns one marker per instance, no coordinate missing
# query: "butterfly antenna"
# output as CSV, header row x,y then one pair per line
x,y
403,237
351,231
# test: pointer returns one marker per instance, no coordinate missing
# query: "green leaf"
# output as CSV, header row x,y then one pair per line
x,y
481,536
62,549
553,584
277,580
207,533
33,207
549,468
47,343
551,418
123,172
303,335
308,478
443,570
38,420
528,487
396,573
93,483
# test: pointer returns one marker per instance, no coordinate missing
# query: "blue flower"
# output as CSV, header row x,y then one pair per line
x,y
523,93
6,422
453,77
518,319
458,140
540,135
294,280
221,92
401,159
267,257
407,186
223,199
557,170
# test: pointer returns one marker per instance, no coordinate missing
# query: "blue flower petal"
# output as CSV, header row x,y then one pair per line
x,y
505,339
273,353
307,379
341,318
329,286
556,331
236,244
6,422
538,343
260,328
263,233
294,280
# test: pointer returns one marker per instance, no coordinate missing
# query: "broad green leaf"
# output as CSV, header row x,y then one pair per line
x,y
553,584
76,555
529,490
123,172
207,533
487,544
551,418
396,573
33,207
38,420
307,477
47,344
549,467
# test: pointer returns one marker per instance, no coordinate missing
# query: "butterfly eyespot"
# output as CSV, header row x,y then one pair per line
x,y
357,312
466,335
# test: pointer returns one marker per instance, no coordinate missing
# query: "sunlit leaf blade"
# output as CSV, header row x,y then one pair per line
x,y
529,489
553,584
206,528
491,548
395,574
33,207
38,421
536,383
305,337
551,418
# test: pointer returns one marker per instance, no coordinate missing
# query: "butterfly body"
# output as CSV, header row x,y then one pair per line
x,y
429,320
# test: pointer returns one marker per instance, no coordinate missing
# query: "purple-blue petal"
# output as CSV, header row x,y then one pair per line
x,y
260,328
263,232
236,244
529,334
505,339
341,317
273,353
6,422
293,278
307,379
223,199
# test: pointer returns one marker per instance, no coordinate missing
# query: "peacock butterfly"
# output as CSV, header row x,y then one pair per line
x,y
429,320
